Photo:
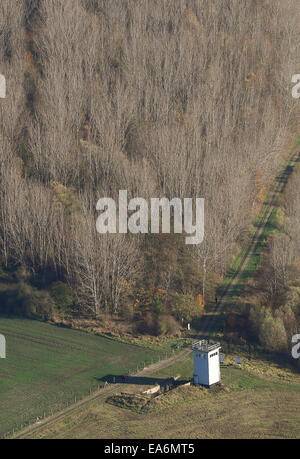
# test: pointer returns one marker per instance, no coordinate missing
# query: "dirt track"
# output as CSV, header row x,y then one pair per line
x,y
110,388
278,187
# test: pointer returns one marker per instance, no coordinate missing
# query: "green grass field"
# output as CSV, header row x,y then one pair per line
x,y
47,366
259,400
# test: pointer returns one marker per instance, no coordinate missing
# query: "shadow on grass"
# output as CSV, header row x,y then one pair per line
x,y
140,380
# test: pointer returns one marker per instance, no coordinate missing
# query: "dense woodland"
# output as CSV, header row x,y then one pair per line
x,y
181,98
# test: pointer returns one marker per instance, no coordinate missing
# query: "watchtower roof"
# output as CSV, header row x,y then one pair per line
x,y
205,346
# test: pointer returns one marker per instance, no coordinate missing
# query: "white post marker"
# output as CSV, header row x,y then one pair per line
x,y
2,347
2,87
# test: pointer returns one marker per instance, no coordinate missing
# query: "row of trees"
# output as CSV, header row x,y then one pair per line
x,y
277,318
162,98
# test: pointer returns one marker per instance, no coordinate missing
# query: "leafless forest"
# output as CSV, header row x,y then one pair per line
x,y
158,97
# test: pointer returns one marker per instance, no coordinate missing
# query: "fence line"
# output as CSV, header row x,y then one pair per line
x,y
76,398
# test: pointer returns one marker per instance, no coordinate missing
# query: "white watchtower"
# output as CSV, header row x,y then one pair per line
x,y
206,363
